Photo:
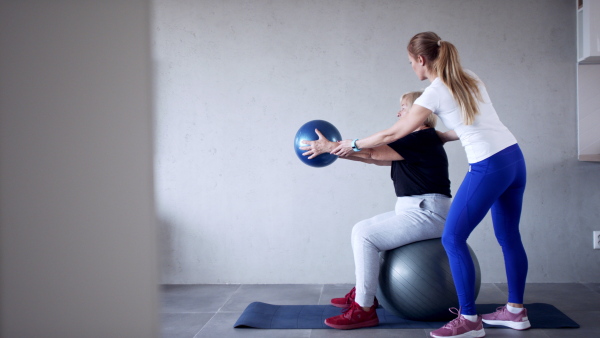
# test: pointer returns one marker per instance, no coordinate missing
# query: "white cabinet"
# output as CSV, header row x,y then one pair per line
x,y
588,80
588,112
588,31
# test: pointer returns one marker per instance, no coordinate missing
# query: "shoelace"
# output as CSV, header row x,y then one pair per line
x,y
350,295
459,319
499,311
348,311
350,298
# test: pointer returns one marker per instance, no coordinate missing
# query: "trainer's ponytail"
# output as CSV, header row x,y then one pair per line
x,y
443,59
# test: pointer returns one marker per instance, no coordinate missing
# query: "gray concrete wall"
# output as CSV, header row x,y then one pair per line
x,y
77,216
236,79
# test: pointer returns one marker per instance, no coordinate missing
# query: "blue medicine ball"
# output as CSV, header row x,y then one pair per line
x,y
307,132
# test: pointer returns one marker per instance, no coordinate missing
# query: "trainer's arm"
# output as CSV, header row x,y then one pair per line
x,y
448,136
415,117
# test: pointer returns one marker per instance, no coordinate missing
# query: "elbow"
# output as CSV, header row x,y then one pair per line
x,y
376,156
389,137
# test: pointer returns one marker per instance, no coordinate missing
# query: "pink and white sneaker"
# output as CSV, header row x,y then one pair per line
x,y
460,328
503,317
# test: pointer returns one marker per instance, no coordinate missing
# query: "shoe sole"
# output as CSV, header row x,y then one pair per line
x,y
513,325
370,323
343,306
470,334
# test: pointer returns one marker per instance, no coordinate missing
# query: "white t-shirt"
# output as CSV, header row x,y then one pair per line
x,y
485,137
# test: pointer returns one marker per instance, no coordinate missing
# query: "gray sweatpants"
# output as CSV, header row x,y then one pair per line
x,y
415,218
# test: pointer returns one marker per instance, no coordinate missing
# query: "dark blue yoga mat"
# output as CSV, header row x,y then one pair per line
x,y
267,316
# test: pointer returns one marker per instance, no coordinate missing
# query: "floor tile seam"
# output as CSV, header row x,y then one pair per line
x,y
205,324
229,298
321,294
237,312
215,314
588,286
502,291
427,331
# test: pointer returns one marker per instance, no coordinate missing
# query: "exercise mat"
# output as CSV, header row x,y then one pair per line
x,y
268,316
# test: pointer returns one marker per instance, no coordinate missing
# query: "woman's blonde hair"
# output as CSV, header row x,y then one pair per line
x,y
410,98
442,58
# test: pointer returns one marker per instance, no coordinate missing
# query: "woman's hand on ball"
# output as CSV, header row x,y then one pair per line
x,y
343,149
318,147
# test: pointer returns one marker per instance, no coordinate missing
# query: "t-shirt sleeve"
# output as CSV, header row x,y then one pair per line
x,y
429,99
400,145
415,146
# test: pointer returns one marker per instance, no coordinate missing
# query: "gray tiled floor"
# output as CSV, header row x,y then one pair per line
x,y
196,311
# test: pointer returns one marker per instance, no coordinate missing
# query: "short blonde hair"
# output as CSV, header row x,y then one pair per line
x,y
410,98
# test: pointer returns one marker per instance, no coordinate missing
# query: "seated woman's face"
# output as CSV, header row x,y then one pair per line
x,y
404,107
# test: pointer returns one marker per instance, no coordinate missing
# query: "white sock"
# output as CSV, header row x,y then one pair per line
x,y
514,310
472,318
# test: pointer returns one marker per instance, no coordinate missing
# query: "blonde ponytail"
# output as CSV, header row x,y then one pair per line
x,y
443,59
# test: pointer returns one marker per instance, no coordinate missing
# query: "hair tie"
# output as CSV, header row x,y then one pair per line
x,y
439,43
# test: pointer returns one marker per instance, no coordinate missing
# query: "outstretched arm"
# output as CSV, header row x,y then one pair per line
x,y
415,117
382,155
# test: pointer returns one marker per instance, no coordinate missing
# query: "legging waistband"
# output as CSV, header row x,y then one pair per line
x,y
505,157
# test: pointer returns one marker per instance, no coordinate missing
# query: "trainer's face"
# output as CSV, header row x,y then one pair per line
x,y
403,108
418,66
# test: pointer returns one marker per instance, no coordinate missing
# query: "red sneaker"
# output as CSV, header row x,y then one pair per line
x,y
354,317
348,299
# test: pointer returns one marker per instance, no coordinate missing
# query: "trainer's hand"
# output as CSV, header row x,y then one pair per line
x,y
448,136
343,149
318,147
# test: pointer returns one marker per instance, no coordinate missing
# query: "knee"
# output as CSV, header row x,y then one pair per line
x,y
448,240
510,241
362,236
451,241
358,232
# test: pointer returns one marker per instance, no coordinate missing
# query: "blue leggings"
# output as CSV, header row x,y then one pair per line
x,y
496,183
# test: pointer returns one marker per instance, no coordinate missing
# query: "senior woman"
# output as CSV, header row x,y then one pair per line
x,y
419,170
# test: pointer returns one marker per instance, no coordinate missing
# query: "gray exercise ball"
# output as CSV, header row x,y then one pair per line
x,y
415,281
